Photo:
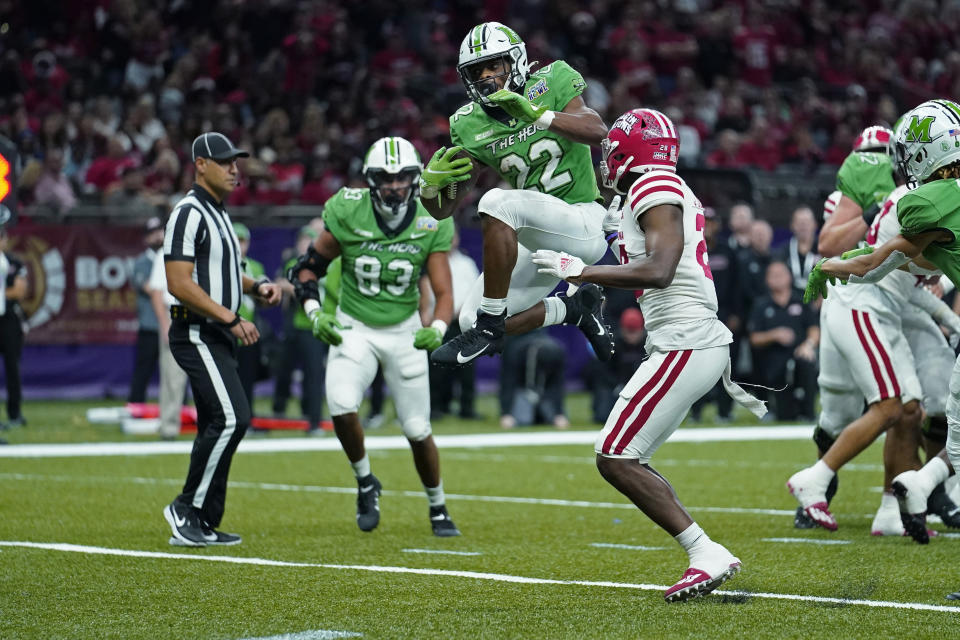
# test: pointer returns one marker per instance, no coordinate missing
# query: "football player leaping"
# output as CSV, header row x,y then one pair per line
x,y
534,130
928,154
663,252
385,239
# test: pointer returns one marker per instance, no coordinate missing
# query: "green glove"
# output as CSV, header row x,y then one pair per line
x,y
517,106
428,338
442,170
853,253
325,327
817,283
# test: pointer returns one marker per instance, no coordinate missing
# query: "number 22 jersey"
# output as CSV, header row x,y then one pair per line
x,y
683,315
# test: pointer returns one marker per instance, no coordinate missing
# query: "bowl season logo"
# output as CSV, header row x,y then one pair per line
x,y
46,279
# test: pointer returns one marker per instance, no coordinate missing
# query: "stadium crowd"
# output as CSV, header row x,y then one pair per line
x,y
104,99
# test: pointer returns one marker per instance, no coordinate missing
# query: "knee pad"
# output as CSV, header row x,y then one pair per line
x,y
417,429
491,201
496,204
822,439
342,397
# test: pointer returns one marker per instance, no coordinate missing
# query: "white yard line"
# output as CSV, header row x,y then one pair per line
x,y
473,575
806,540
464,441
312,634
443,552
632,547
270,486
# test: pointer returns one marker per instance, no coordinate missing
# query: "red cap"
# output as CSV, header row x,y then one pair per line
x,y
631,319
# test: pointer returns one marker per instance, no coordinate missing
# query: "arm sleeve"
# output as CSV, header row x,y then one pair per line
x,y
331,297
182,234
936,307
893,261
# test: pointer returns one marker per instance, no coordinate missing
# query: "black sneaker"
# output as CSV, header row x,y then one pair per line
x,y
802,521
212,536
485,338
184,525
441,523
584,311
368,503
940,504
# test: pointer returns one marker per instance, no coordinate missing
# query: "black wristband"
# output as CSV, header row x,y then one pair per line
x,y
236,320
259,283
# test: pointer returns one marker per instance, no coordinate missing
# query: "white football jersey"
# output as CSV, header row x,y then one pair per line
x,y
892,295
682,315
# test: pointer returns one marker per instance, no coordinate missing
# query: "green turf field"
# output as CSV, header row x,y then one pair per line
x,y
549,550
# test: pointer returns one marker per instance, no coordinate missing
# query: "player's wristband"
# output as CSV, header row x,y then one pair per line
x,y
309,306
259,283
439,325
236,320
428,191
545,120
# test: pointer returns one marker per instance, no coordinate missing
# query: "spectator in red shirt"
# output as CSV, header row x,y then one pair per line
x,y
727,153
761,148
754,45
107,170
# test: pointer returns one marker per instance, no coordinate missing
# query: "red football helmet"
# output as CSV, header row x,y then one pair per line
x,y
875,138
640,140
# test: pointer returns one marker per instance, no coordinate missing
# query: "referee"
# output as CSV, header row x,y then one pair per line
x,y
204,273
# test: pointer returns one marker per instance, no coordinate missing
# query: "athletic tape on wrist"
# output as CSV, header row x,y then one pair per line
x,y
545,120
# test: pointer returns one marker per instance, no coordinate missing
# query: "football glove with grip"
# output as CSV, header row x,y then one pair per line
x,y
517,106
611,220
325,327
817,280
557,263
442,170
428,338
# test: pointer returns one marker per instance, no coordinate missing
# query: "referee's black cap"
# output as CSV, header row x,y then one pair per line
x,y
216,146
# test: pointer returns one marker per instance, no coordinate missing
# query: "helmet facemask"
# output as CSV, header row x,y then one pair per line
x,y
393,193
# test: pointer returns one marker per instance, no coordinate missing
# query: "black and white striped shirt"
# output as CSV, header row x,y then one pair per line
x,y
199,231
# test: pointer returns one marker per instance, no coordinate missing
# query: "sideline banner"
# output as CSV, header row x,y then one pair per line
x,y
79,282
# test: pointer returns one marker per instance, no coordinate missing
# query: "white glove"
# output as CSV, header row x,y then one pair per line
x,y
557,263
611,221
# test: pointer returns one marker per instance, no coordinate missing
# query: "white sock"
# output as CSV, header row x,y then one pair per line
x,y
361,468
934,472
888,502
435,495
555,312
822,474
493,306
693,539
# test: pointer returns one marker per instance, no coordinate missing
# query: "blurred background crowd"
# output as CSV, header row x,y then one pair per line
x,y
103,99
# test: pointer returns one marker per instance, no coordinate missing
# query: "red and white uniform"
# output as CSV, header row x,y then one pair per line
x,y
686,341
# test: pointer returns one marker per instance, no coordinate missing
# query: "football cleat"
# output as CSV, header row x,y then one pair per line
x,y
486,337
584,309
697,582
912,496
940,504
185,525
802,521
221,538
368,502
812,499
441,523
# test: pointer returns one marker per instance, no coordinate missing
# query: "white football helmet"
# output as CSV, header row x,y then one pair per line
x,y
392,168
487,42
876,138
928,139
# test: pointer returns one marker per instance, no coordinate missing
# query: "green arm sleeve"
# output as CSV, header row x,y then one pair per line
x,y
331,296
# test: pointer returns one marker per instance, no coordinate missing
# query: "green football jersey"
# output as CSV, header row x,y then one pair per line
x,y
935,205
525,155
380,271
866,178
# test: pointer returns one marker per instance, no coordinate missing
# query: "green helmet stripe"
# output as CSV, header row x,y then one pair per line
x,y
510,33
477,30
393,159
953,111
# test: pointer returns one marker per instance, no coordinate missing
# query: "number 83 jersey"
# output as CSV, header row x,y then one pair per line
x,y
683,315
381,268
